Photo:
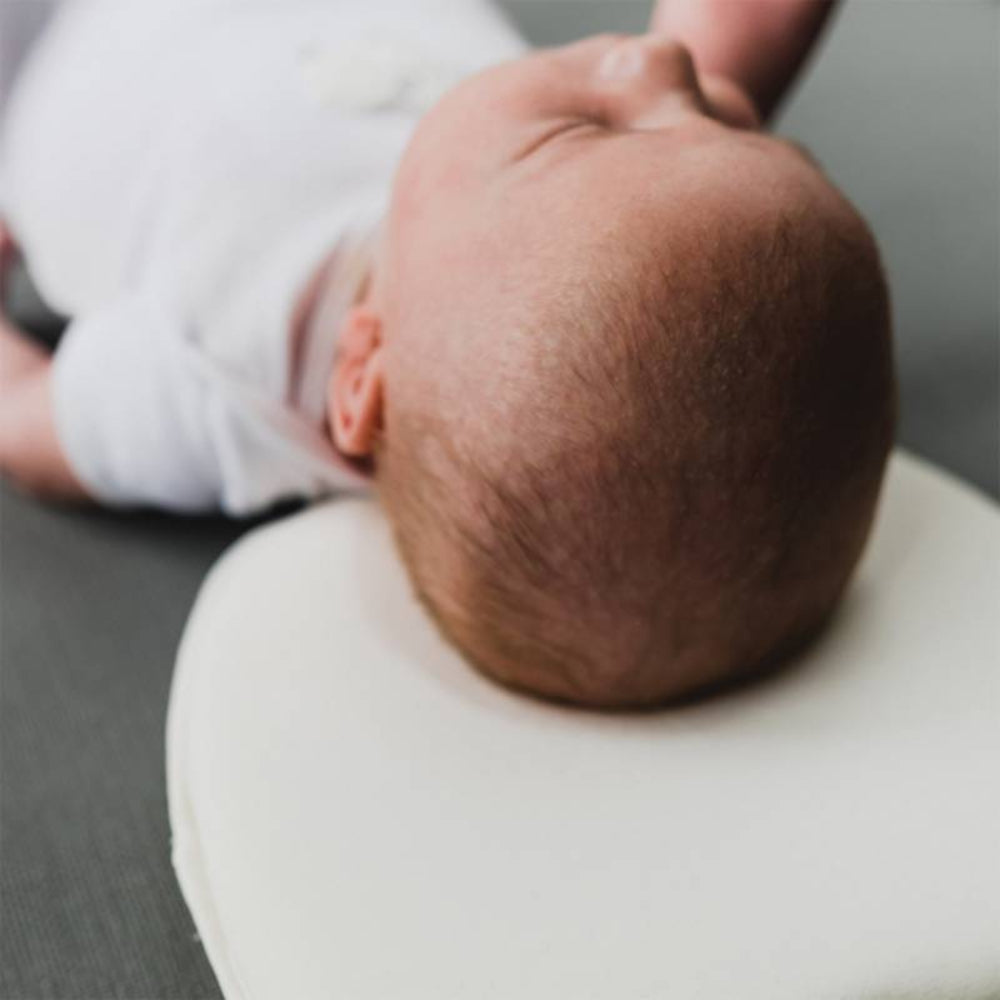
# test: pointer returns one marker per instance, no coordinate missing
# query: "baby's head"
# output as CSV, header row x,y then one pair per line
x,y
626,374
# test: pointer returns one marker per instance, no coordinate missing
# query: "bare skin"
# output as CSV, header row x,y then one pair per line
x,y
29,449
762,46
576,137
702,80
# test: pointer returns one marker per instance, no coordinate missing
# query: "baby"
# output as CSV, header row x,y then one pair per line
x,y
616,362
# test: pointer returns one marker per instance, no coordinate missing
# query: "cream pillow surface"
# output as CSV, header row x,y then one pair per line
x,y
358,816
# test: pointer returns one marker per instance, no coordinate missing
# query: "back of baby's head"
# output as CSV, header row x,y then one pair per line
x,y
662,465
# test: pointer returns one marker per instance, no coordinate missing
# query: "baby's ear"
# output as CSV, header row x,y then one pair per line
x,y
354,397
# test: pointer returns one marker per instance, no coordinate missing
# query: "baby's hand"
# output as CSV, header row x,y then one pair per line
x,y
759,45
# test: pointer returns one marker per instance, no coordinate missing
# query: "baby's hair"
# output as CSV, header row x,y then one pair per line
x,y
683,470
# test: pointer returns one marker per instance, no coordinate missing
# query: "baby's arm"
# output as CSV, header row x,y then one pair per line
x,y
29,450
758,44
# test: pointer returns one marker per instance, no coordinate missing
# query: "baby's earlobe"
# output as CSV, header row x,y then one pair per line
x,y
355,393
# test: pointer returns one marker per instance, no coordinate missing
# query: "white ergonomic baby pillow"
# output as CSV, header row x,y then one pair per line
x,y
358,816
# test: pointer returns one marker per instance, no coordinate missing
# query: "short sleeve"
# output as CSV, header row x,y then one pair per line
x,y
147,417
130,412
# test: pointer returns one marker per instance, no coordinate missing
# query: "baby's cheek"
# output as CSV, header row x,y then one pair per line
x,y
408,185
427,176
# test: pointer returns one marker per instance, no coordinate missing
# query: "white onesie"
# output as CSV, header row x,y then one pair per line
x,y
175,172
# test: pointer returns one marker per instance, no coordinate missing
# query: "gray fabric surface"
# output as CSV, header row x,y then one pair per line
x,y
92,608
902,108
